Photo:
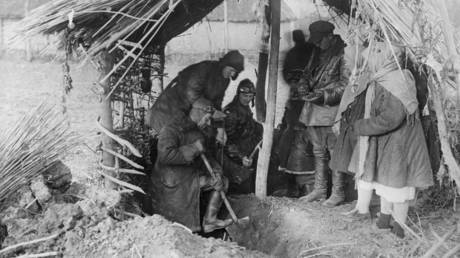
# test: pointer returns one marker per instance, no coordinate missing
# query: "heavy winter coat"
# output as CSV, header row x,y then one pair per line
x,y
203,79
243,133
397,155
331,77
176,186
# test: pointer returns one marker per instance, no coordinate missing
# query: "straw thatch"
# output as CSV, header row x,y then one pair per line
x,y
31,145
145,22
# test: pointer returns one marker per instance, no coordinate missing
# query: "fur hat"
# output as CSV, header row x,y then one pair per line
x,y
234,59
319,29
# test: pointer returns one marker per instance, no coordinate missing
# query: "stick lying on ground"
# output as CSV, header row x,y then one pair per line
x,y
242,221
12,248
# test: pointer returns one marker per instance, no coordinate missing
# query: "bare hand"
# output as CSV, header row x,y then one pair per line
x,y
336,128
218,183
221,136
247,162
199,145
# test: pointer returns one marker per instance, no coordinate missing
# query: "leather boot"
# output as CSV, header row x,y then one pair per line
x,y
210,220
306,185
320,186
338,190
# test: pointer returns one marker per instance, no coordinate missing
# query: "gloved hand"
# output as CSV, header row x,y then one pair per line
x,y
218,183
221,136
316,97
199,146
247,162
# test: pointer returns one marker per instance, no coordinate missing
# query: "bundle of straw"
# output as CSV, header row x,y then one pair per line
x,y
108,20
33,143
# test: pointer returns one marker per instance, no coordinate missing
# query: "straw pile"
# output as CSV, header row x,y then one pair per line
x,y
32,144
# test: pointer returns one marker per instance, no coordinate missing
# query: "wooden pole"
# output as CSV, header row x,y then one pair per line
x,y
226,35
264,158
28,45
106,62
261,106
2,35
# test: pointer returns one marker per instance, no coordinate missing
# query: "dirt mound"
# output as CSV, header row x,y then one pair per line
x,y
286,227
148,237
85,229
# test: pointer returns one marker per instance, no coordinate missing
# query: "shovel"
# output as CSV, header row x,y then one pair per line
x,y
241,222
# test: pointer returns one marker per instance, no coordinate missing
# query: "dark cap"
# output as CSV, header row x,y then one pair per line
x,y
319,29
234,59
246,86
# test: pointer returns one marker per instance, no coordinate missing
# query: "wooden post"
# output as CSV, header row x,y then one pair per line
x,y
264,157
263,63
28,45
226,35
106,62
2,35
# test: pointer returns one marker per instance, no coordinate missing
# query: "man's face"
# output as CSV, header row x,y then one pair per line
x,y
245,98
325,42
229,72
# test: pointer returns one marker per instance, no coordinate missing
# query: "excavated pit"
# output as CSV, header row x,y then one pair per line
x,y
284,227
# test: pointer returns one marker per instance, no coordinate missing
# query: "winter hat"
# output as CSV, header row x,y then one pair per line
x,y
319,29
233,59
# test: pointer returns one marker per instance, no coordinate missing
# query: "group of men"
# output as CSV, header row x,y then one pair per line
x,y
192,130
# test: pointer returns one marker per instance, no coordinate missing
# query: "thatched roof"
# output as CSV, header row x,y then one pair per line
x,y
243,11
16,9
146,22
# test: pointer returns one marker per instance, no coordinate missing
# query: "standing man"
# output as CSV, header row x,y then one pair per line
x,y
207,79
244,133
298,162
321,87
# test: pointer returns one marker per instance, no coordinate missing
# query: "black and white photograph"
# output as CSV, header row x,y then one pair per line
x,y
230,128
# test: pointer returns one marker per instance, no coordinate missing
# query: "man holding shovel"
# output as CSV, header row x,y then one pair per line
x,y
180,175
244,133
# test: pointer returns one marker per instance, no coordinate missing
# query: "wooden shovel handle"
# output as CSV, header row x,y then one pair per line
x,y
222,193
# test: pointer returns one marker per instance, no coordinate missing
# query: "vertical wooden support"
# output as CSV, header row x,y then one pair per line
x,y
263,62
264,157
158,70
2,35
28,44
106,62
226,35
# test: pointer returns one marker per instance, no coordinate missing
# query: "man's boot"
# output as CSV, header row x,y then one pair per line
x,y
305,184
338,190
210,220
320,187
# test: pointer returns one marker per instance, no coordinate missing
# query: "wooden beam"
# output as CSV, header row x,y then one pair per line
x,y
106,62
264,157
261,105
226,35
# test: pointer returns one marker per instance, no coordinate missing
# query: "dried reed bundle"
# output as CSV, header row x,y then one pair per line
x,y
33,143
108,20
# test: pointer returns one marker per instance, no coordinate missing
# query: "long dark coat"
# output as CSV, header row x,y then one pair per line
x,y
176,186
203,79
397,154
243,134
